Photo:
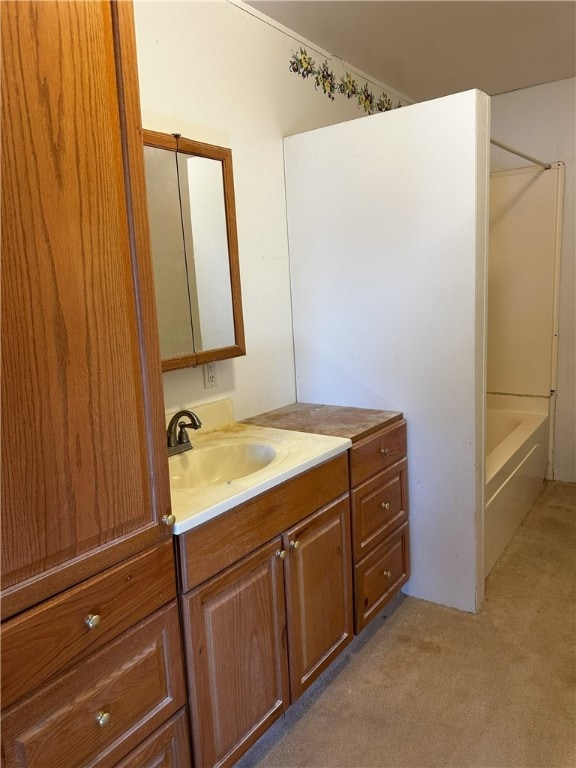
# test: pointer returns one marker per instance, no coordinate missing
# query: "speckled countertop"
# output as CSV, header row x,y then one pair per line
x,y
335,420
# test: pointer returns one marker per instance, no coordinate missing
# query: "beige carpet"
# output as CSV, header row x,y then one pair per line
x,y
428,686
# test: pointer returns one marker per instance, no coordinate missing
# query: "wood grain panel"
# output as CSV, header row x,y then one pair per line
x,y
138,680
378,506
45,640
380,575
376,452
318,592
168,747
206,550
235,628
79,467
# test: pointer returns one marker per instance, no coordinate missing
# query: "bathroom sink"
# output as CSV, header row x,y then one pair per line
x,y
219,464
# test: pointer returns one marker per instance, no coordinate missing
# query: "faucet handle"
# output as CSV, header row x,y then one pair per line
x,y
182,433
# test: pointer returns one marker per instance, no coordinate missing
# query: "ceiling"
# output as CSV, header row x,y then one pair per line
x,y
429,49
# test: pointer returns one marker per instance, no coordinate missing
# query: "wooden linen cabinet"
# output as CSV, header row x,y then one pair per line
x,y
92,670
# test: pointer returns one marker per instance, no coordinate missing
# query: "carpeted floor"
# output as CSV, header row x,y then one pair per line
x,y
428,686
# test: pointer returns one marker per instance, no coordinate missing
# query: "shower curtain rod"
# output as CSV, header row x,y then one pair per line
x,y
534,160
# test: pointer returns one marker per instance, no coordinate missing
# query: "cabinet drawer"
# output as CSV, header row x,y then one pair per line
x,y
168,747
378,506
48,639
380,575
376,452
102,708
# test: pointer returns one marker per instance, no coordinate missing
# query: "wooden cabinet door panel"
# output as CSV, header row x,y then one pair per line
x,y
318,592
168,747
137,681
235,628
82,422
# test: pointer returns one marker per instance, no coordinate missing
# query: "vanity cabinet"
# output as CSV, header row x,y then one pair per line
x,y
378,492
91,652
261,629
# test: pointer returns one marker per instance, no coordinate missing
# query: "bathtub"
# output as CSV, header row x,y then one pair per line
x,y
516,466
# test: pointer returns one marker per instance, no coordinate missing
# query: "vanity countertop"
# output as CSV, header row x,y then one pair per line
x,y
336,420
295,452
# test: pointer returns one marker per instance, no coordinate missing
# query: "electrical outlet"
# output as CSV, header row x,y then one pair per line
x,y
210,376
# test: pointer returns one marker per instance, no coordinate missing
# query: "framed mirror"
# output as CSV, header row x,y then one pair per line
x,y
192,217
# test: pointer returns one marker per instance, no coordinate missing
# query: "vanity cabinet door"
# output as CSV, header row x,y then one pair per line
x,y
318,592
235,630
84,470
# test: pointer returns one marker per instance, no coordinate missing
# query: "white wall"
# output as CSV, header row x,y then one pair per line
x,y
542,122
387,224
216,73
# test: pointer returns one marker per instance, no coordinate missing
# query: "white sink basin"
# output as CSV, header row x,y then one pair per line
x,y
207,465
234,463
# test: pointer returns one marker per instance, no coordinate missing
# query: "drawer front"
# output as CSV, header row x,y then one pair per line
x,y
379,576
103,707
377,452
379,505
168,747
48,639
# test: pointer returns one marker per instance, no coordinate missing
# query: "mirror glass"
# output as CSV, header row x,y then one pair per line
x,y
194,250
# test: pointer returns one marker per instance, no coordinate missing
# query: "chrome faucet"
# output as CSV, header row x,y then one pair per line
x,y
177,436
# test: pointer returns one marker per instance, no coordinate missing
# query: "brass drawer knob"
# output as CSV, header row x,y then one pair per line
x,y
103,718
281,553
385,505
295,544
92,620
388,574
169,520
385,451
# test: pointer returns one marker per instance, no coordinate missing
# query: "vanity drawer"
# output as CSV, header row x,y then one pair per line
x,y
377,452
105,706
49,638
380,575
168,747
378,506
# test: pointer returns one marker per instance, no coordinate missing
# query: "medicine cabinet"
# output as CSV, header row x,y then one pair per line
x,y
192,217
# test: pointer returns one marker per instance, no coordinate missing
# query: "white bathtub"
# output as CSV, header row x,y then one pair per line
x,y
516,464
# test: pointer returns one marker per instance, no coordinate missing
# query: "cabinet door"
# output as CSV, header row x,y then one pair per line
x,y
235,630
84,470
318,592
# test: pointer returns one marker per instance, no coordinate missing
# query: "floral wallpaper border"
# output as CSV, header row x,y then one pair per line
x,y
304,65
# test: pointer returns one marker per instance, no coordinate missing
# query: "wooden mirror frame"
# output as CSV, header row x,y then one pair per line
x,y
190,147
